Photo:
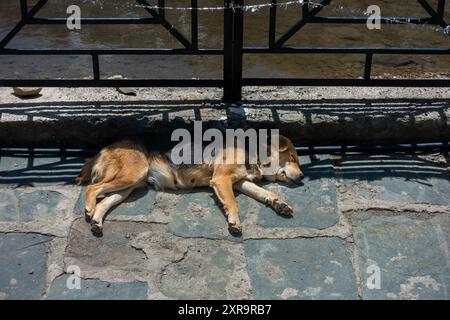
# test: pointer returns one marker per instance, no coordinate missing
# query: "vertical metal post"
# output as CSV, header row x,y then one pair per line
x,y
227,51
23,9
238,45
96,67
368,66
305,7
233,50
272,24
194,24
441,8
161,11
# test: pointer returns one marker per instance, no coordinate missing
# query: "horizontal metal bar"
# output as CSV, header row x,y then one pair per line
x,y
121,51
347,82
213,51
220,83
85,83
359,50
383,20
86,21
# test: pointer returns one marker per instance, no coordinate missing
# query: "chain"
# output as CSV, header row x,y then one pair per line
x,y
257,7
251,8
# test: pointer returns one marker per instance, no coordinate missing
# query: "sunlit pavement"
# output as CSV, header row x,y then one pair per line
x,y
364,227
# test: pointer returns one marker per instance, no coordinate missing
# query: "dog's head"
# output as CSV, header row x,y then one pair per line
x,y
288,169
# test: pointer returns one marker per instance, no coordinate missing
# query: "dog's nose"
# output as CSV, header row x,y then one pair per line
x,y
300,178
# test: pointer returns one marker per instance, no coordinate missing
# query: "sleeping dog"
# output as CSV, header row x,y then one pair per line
x,y
126,165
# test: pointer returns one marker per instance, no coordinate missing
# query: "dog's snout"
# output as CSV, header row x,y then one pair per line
x,y
300,178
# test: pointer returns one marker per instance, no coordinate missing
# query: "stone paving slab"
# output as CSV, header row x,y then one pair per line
x,y
8,206
96,290
199,215
113,249
23,265
398,178
20,171
318,268
174,267
44,210
210,269
22,206
412,255
140,203
313,202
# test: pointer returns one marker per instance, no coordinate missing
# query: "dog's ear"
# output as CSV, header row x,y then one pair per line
x,y
283,144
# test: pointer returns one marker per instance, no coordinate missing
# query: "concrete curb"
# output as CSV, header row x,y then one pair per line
x,y
357,116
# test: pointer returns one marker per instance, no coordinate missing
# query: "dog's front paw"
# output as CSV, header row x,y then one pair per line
x,y
89,210
88,216
235,228
282,208
96,227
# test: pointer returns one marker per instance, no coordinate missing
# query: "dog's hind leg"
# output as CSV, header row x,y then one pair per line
x,y
262,195
98,189
105,205
93,190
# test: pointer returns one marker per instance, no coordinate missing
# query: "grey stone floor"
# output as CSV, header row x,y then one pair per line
x,y
364,227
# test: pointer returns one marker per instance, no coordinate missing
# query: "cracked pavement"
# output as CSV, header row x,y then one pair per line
x,y
364,227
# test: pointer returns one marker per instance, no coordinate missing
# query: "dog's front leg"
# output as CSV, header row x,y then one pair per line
x,y
262,195
223,188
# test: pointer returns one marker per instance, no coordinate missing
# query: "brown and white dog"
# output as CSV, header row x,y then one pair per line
x,y
126,165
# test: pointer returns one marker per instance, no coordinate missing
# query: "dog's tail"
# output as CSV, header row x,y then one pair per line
x,y
86,171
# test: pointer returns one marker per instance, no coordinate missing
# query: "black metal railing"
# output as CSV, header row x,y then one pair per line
x,y
233,48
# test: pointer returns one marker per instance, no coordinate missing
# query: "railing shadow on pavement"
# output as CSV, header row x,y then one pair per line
x,y
24,170
55,110
35,170
60,110
28,171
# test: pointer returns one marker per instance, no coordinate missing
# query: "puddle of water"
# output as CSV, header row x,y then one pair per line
x,y
211,36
